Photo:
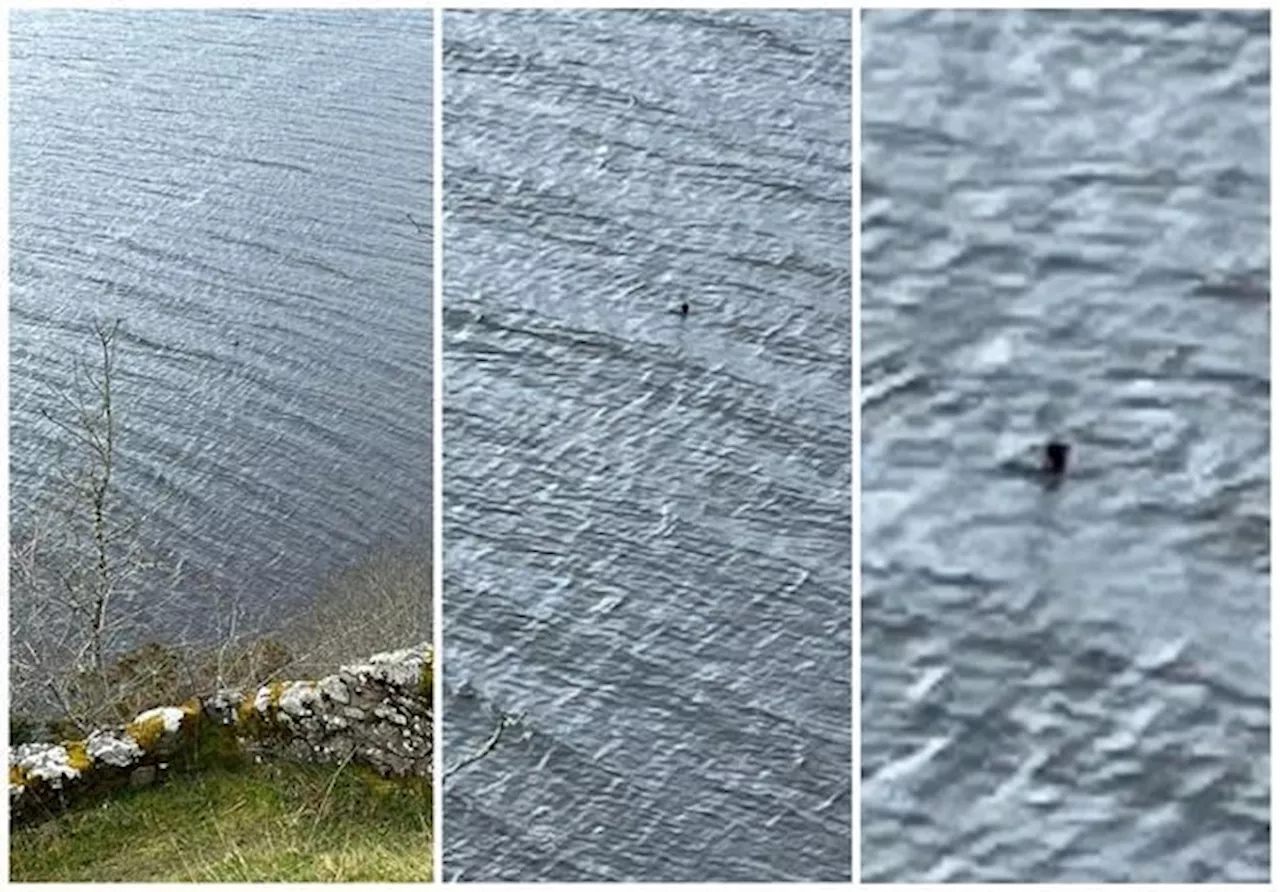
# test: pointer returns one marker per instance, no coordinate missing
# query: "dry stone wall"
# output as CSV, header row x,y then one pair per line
x,y
376,713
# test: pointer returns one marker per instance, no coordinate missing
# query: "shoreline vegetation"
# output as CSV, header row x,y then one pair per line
x,y
382,604
85,655
222,814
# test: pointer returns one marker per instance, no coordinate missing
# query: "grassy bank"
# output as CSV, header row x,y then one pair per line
x,y
254,823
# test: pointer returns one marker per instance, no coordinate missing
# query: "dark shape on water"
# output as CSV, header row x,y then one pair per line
x,y
684,309
1055,457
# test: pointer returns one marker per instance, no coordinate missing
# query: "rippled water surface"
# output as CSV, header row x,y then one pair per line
x,y
647,517
234,185
1065,233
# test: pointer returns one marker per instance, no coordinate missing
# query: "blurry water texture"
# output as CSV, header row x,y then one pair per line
x,y
1064,232
234,186
647,517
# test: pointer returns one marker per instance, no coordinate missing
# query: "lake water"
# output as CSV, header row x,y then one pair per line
x,y
234,185
647,516
1065,232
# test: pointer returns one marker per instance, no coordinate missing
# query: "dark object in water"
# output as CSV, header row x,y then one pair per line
x,y
1055,457
684,309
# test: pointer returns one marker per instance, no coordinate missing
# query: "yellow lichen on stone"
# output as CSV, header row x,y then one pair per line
x,y
265,705
277,689
424,680
17,777
146,733
78,756
246,711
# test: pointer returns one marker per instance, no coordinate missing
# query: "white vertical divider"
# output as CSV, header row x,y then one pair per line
x,y
437,438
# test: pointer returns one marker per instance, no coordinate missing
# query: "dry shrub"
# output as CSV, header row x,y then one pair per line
x,y
383,603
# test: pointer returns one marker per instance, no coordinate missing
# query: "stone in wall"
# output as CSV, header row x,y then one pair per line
x,y
376,713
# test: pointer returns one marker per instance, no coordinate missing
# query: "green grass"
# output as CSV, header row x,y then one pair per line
x,y
260,823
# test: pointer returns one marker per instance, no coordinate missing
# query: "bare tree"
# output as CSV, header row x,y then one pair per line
x,y
79,563
102,569
82,646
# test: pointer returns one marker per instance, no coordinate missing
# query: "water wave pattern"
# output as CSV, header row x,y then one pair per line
x,y
234,186
647,516
1065,232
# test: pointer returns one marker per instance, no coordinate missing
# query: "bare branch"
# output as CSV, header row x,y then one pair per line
x,y
488,747
422,230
